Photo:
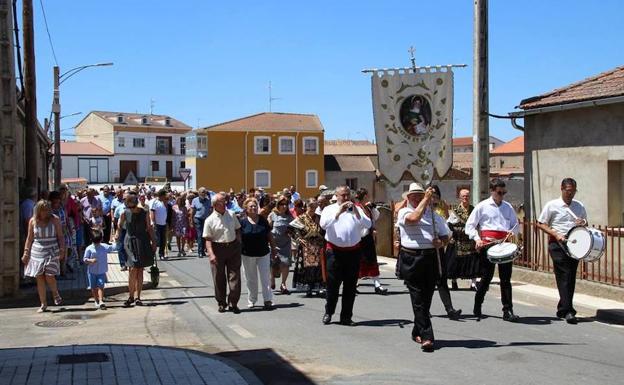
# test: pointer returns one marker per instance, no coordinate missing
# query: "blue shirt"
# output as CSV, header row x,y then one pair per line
x,y
116,203
100,253
234,207
203,207
106,203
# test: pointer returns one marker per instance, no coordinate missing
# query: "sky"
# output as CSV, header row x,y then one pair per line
x,y
206,62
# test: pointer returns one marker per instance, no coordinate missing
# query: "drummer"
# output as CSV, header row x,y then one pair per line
x,y
492,220
558,217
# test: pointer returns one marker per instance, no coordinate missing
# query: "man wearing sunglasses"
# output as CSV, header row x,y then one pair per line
x,y
492,220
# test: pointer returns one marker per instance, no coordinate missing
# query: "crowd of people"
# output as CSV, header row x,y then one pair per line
x,y
327,240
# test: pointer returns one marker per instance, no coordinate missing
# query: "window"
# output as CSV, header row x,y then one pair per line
x,y
182,145
287,145
163,145
262,145
310,145
353,185
138,142
262,178
120,118
167,122
502,163
144,120
121,141
202,146
311,178
182,164
155,165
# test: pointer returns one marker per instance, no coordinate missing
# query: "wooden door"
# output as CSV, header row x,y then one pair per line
x,y
125,166
169,170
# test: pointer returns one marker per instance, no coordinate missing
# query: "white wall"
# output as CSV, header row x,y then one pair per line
x,y
78,166
150,142
144,164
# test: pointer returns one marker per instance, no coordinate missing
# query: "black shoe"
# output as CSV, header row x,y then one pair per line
x,y
508,315
454,314
381,290
571,319
561,315
476,310
128,302
454,285
221,309
427,346
347,322
235,309
327,319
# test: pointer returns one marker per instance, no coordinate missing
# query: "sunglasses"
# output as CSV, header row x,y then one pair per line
x,y
501,192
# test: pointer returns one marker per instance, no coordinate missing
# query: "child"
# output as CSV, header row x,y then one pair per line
x,y
96,256
97,220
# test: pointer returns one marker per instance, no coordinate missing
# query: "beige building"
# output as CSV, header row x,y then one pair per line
x,y
144,144
507,160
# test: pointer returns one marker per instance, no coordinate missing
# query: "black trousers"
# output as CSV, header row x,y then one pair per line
x,y
342,268
442,284
504,273
565,275
420,272
107,229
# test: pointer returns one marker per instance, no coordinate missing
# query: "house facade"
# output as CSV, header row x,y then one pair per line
x,y
85,160
268,150
507,160
141,144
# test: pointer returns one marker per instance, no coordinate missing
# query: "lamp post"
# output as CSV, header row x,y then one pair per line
x,y
56,110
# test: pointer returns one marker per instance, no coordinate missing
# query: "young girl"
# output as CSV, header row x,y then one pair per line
x,y
96,256
97,220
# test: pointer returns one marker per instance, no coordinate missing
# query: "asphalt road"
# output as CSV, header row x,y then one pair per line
x,y
290,345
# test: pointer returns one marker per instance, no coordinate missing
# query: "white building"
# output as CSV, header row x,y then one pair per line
x,y
85,160
144,144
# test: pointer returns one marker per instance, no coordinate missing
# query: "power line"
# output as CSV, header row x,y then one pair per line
x,y
45,20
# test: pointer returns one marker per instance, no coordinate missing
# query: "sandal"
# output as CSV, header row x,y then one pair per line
x,y
58,301
284,289
42,309
138,302
129,302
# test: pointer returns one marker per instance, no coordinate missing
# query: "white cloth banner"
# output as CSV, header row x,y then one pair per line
x,y
413,124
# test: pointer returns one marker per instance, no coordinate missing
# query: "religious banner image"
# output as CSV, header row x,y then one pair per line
x,y
413,124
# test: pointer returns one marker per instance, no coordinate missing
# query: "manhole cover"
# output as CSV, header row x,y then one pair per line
x,y
57,324
82,358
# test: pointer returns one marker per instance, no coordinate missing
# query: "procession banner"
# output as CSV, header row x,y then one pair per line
x,y
413,115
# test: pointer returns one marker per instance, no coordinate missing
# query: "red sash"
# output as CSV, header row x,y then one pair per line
x,y
331,246
493,234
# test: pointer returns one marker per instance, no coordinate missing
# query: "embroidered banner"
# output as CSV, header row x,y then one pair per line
x,y
413,124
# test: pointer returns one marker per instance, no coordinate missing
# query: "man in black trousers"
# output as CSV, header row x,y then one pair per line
x,y
343,222
557,218
422,232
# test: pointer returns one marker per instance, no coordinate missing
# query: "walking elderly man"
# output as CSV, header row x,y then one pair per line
x,y
343,223
223,243
200,210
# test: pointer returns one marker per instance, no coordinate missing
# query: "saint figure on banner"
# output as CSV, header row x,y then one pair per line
x,y
415,115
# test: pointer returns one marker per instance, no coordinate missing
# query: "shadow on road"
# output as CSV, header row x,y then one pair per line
x,y
268,366
385,322
480,344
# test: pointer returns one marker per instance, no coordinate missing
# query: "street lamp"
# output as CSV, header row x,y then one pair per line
x,y
56,110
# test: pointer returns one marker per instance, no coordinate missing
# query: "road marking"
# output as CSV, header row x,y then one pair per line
x,y
208,309
174,283
191,294
516,302
164,274
241,331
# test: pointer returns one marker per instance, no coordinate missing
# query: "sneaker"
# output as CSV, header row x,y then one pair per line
x,y
250,304
102,306
96,304
42,309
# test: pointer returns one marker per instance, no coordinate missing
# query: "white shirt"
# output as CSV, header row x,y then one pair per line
x,y
556,214
487,215
375,215
346,230
221,228
420,235
160,212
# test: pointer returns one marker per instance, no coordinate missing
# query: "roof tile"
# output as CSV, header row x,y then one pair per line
x,y
271,121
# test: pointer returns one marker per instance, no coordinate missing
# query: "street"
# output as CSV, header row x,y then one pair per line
x,y
290,345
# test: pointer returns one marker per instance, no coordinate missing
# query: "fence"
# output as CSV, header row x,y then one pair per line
x,y
606,270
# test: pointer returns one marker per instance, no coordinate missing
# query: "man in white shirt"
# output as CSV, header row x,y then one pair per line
x,y
558,217
343,223
158,216
491,220
421,232
223,244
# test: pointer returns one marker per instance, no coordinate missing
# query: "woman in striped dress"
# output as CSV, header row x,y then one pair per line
x,y
45,248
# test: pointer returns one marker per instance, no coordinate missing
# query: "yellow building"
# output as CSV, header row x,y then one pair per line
x,y
268,150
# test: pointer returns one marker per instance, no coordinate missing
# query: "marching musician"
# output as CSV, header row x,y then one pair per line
x,y
558,217
421,232
493,220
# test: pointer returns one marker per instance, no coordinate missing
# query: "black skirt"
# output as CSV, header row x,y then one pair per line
x,y
464,266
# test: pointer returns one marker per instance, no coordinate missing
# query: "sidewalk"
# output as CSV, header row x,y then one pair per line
x,y
601,309
117,365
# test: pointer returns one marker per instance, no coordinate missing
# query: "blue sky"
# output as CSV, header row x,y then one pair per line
x,y
206,62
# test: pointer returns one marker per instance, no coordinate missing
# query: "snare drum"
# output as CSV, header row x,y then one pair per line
x,y
503,252
586,243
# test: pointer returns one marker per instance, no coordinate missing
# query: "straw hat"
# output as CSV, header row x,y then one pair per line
x,y
414,188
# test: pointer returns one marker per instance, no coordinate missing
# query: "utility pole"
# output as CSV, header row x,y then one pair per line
x,y
56,110
30,97
480,96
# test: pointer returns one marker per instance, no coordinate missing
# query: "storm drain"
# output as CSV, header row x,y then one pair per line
x,y
57,324
84,358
